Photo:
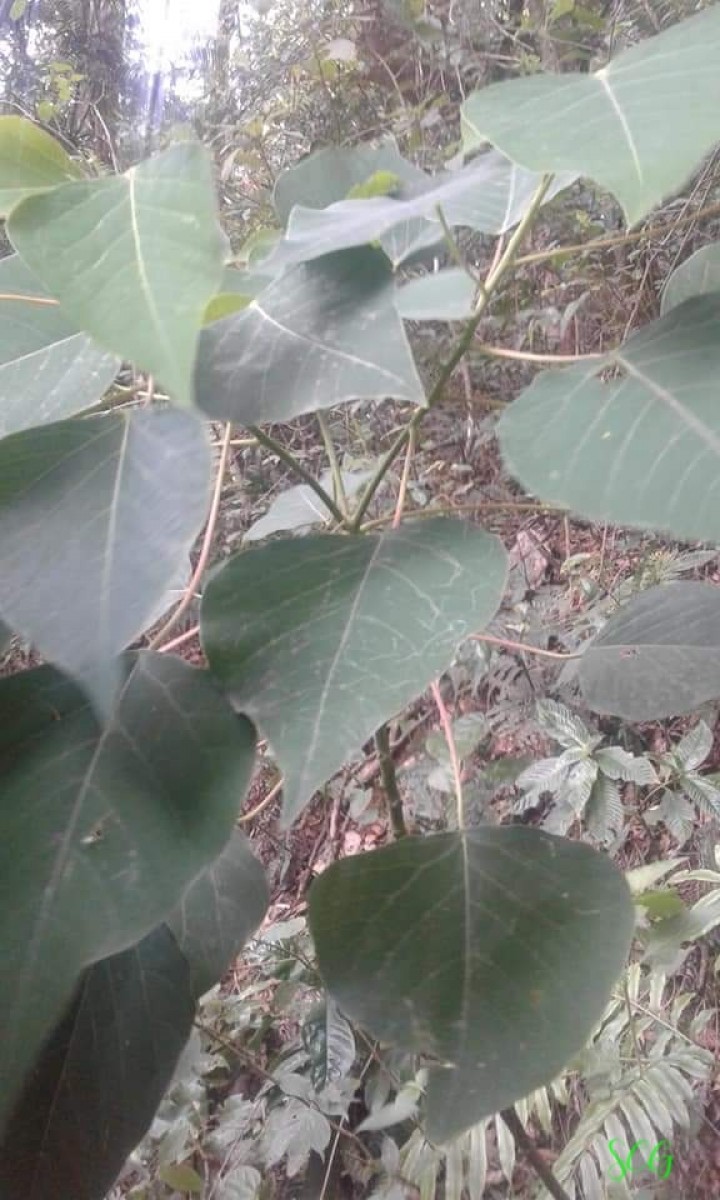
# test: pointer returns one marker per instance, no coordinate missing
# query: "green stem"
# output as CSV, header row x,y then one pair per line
x,y
390,784
462,346
530,1150
295,465
338,485
453,248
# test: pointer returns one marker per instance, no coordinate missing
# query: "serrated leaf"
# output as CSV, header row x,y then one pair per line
x,y
96,517
48,369
703,793
299,507
292,1131
604,812
562,724
694,747
640,447
697,276
133,259
578,784
242,1183
639,879
323,334
102,828
302,637
30,161
482,950
639,125
489,194
442,296
617,763
658,656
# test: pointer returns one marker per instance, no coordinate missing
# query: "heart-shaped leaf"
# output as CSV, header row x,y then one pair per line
x,y
102,830
47,369
658,656
30,161
640,446
325,638
489,194
324,333
133,259
638,126
697,276
492,952
96,517
103,1072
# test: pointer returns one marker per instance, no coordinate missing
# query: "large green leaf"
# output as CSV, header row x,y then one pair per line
x,y
330,174
658,656
101,1076
102,830
632,437
492,952
324,333
637,126
325,638
96,517
327,176
697,276
133,259
30,161
442,296
47,369
489,194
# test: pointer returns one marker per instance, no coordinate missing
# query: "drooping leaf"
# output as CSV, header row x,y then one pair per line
x,y
329,1040
96,517
322,334
444,296
638,126
30,161
641,447
325,638
658,656
102,1074
697,276
102,829
489,194
491,951
219,911
299,507
47,369
133,259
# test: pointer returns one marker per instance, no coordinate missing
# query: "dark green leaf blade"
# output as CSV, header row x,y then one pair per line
x,y
322,334
96,518
106,1066
491,951
133,259
637,126
30,161
219,912
47,369
323,639
100,1076
102,830
659,656
641,447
